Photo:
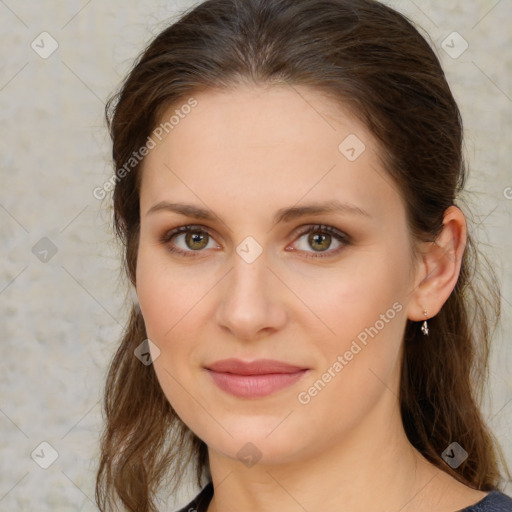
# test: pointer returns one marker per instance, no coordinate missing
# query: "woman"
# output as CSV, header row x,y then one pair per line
x,y
308,328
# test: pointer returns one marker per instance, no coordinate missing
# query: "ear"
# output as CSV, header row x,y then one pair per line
x,y
438,271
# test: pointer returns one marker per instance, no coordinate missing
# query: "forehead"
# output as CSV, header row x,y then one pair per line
x,y
274,144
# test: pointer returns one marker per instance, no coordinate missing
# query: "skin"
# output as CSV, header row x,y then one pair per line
x,y
243,154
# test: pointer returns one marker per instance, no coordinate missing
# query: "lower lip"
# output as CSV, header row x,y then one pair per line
x,y
254,386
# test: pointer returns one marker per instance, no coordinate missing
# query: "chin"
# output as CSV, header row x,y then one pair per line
x,y
254,441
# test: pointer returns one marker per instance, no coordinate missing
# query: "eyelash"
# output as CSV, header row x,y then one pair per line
x,y
317,228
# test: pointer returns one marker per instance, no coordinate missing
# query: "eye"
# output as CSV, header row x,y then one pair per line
x,y
320,238
193,240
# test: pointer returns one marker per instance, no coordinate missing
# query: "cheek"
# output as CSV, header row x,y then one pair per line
x,y
156,297
357,370
169,304
176,308
166,294
352,295
364,309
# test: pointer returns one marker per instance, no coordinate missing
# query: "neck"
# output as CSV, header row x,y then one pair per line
x,y
371,467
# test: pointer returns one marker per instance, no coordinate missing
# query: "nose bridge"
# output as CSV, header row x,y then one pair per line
x,y
249,275
249,278
249,304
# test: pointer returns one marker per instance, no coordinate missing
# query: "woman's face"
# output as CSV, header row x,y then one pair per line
x,y
240,285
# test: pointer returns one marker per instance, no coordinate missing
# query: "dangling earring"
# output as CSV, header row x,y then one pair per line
x,y
424,327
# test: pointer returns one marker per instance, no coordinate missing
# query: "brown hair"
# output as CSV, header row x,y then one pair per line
x,y
372,60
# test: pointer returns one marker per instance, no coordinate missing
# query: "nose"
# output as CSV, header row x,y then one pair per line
x,y
251,303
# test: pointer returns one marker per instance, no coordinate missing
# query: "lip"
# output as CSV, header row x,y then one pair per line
x,y
254,379
257,367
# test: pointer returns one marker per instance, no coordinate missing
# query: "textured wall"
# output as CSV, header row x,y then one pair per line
x,y
61,295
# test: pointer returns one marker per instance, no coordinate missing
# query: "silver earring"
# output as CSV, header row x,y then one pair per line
x,y
424,327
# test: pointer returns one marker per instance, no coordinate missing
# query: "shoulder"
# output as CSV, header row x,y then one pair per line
x,y
201,501
495,501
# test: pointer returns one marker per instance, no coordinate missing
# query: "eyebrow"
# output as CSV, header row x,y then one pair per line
x,y
282,215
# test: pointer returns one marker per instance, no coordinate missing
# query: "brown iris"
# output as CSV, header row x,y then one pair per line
x,y
316,238
196,240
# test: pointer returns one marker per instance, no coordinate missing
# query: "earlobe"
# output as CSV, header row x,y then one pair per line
x,y
440,267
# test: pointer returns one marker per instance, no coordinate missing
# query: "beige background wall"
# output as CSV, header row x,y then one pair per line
x,y
61,318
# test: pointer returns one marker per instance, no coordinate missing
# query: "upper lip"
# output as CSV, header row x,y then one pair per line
x,y
256,367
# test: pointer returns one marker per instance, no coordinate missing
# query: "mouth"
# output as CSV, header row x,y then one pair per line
x,y
254,379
